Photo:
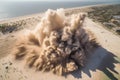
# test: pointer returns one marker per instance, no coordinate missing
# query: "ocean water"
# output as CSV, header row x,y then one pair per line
x,y
16,9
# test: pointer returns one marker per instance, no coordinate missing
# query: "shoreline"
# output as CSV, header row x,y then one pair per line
x,y
32,20
84,8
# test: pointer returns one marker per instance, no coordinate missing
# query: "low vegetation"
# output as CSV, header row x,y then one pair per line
x,y
109,16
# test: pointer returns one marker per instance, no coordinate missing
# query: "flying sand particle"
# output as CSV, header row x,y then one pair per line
x,y
56,44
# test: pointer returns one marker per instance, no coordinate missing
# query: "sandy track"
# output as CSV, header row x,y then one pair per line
x,y
100,66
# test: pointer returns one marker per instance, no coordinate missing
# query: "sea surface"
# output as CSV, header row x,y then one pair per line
x,y
13,9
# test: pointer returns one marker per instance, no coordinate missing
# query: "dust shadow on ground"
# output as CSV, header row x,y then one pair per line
x,y
102,60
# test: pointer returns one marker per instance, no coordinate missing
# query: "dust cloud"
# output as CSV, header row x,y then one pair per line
x,y
58,43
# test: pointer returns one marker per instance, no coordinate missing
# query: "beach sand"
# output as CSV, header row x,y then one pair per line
x,y
103,63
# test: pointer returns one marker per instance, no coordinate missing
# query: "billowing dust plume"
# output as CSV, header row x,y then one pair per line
x,y
58,43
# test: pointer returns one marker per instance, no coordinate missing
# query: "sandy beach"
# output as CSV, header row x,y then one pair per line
x,y
102,64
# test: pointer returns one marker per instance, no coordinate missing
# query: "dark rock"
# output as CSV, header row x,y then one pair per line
x,y
10,63
6,67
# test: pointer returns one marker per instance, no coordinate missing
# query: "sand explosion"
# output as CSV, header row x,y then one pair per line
x,y
58,43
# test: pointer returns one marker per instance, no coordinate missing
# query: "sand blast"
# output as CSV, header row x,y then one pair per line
x,y
57,44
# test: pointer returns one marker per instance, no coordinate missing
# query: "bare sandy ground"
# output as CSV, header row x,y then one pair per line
x,y
103,64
